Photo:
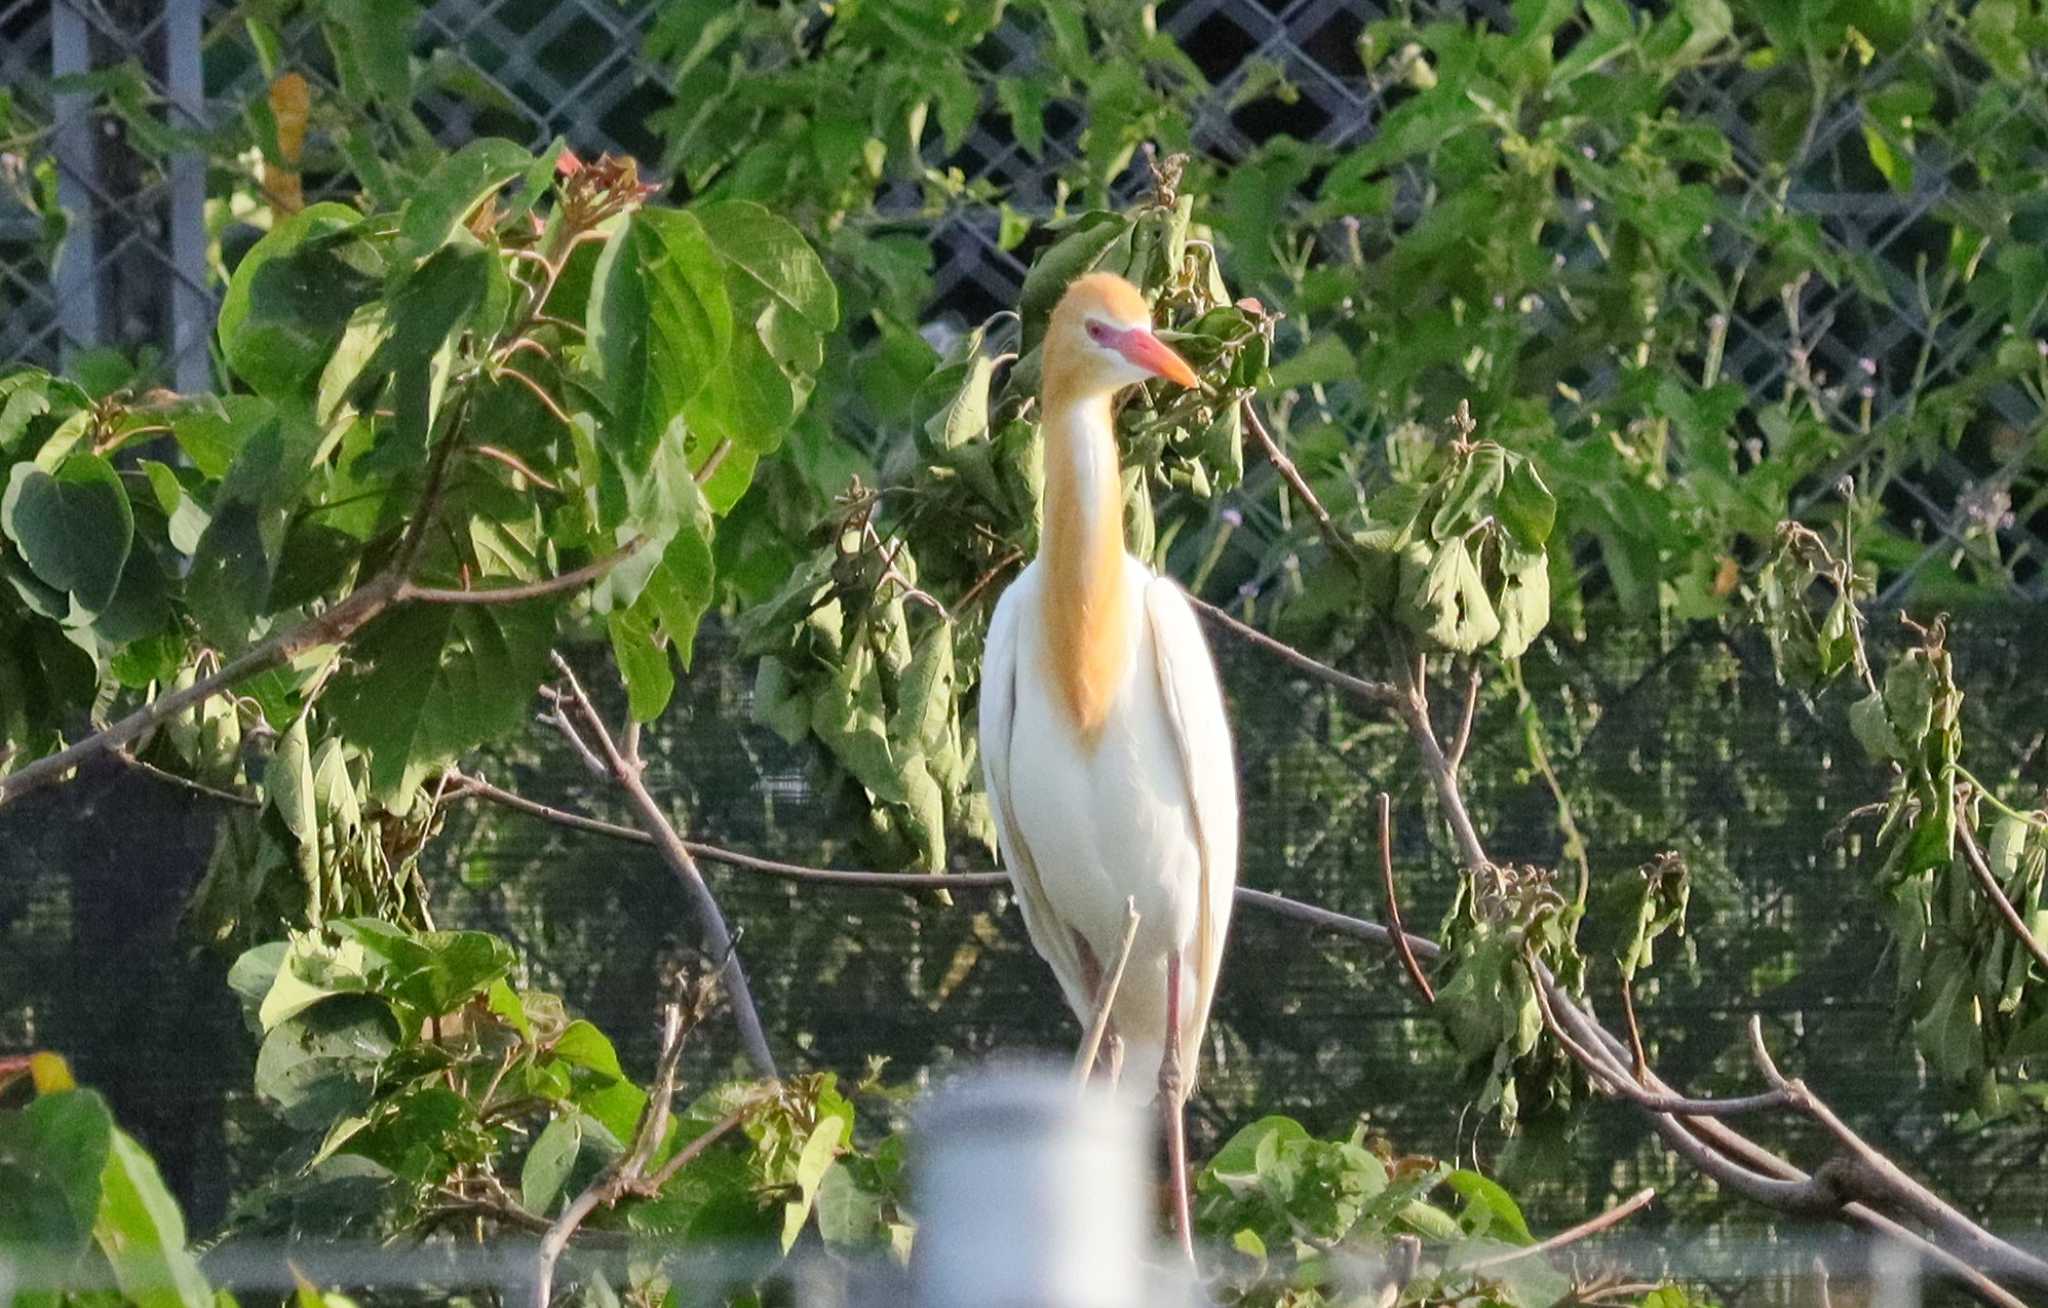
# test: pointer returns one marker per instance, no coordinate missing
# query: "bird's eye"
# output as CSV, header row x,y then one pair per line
x,y
1098,333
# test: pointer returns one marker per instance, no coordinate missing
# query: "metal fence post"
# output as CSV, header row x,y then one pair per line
x,y
1030,1196
75,278
191,305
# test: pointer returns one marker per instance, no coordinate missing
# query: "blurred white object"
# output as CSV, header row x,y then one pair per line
x,y
1030,1195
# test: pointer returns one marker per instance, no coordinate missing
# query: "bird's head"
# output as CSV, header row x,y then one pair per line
x,y
1101,340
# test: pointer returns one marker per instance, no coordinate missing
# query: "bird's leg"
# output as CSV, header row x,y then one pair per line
x,y
1172,1088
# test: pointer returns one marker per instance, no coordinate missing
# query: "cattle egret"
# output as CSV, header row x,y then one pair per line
x,y
1103,739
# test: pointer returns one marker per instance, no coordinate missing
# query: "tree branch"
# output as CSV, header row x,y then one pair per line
x,y
1621,1212
1888,1183
546,586
1399,933
463,785
329,628
1374,692
628,1174
1297,483
716,936
1987,881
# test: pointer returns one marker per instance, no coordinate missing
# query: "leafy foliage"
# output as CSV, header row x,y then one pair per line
x,y
1971,990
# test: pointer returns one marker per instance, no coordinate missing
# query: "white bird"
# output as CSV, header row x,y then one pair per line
x,y
1103,737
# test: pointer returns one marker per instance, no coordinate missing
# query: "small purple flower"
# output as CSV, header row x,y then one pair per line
x,y
1233,517
1249,590
1869,366
1867,392
1589,152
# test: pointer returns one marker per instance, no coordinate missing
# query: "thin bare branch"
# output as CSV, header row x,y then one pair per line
x,y
1614,1216
186,783
1635,1031
332,627
1613,1080
514,462
628,1173
1105,999
466,785
1373,692
1987,881
1297,483
690,1152
1399,933
716,937
1464,737
567,581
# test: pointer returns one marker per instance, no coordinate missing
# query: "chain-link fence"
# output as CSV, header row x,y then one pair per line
x,y
103,236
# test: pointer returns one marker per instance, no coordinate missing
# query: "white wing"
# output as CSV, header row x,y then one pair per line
x,y
1194,708
1049,934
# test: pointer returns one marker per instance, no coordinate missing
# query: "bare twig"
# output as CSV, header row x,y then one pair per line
x,y
196,787
690,1152
627,1175
1399,933
716,936
464,785
332,627
1987,881
1464,737
1635,1031
1105,998
517,464
1375,692
1570,1235
1297,483
573,580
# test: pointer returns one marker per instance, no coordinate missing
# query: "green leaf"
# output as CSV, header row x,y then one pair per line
x,y
1525,505
432,303
142,1233
547,1164
1471,495
1323,361
1078,251
1524,605
1443,597
819,1150
1239,1156
1872,727
775,255
73,529
679,590
1023,99
848,1217
52,1155
430,681
643,664
429,972
320,1065
1909,699
659,321
1489,1209
453,189
291,298
586,1046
